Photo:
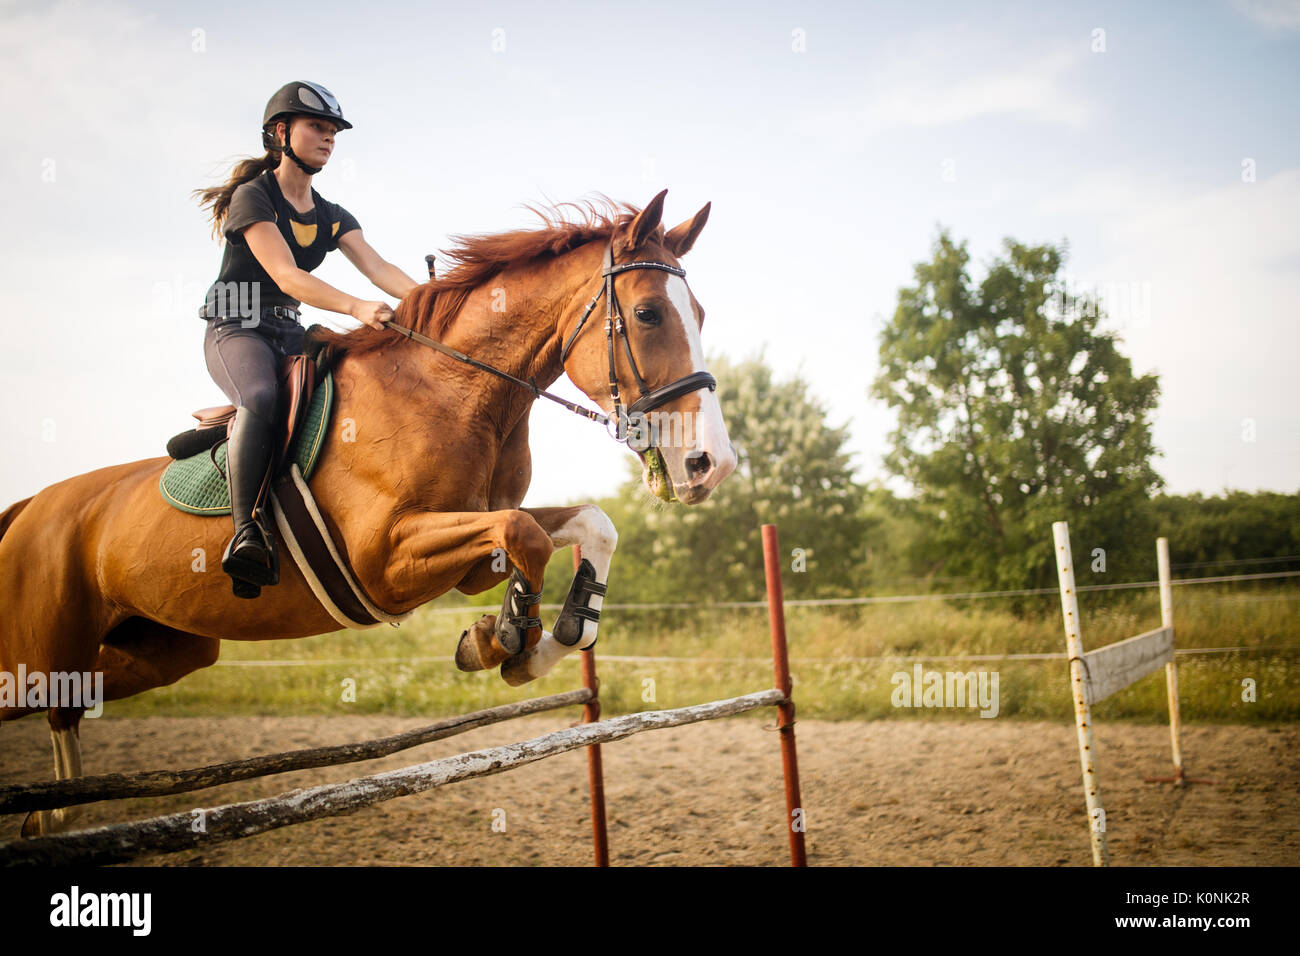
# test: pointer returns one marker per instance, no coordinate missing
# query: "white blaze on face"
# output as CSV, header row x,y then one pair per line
x,y
710,431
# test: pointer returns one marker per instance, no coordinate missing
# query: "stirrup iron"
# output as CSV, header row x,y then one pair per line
x,y
250,576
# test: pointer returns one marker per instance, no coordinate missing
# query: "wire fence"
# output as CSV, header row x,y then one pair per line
x,y
887,598
832,602
815,661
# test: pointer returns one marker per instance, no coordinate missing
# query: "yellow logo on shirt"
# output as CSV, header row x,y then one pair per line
x,y
306,235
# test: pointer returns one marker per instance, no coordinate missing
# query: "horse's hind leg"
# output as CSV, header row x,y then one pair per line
x,y
136,656
140,654
66,739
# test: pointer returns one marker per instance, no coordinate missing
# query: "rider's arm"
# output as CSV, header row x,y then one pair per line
x,y
374,267
269,248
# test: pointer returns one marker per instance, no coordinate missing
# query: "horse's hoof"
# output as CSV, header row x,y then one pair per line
x,y
43,822
478,648
467,658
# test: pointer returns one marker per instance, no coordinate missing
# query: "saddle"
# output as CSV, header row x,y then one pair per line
x,y
195,483
298,379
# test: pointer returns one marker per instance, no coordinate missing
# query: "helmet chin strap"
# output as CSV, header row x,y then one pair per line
x,y
288,151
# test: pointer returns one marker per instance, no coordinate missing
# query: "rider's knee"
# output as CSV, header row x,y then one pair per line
x,y
261,399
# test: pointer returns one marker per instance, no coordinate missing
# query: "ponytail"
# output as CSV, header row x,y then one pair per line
x,y
218,197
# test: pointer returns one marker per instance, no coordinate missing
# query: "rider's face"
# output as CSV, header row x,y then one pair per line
x,y
312,139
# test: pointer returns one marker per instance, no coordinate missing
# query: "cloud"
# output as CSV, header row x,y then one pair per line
x,y
1274,14
1033,90
103,87
1221,273
944,80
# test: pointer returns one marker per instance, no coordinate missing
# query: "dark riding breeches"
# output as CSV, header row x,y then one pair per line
x,y
245,363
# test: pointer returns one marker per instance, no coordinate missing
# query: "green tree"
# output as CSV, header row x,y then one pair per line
x,y
793,472
1239,533
1015,410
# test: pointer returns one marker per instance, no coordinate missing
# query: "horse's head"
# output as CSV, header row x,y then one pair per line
x,y
666,406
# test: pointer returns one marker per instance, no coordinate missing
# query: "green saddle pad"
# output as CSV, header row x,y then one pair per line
x,y
194,486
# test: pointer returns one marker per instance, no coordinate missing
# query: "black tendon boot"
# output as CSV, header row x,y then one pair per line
x,y
249,559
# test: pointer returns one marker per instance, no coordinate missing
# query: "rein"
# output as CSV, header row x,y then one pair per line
x,y
614,326
531,385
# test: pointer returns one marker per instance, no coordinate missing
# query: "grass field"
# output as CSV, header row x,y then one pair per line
x,y
408,671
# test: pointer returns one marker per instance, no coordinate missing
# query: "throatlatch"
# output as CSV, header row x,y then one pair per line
x,y
569,626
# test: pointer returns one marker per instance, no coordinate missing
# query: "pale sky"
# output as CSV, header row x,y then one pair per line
x,y
833,139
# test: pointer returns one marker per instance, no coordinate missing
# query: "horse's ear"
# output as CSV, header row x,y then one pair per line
x,y
679,240
639,229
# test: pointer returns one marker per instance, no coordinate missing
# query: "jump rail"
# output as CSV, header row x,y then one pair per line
x,y
121,842
126,841
157,783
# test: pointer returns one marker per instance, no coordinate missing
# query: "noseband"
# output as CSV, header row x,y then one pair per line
x,y
650,399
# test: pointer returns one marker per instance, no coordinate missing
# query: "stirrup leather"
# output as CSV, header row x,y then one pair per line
x,y
513,623
569,625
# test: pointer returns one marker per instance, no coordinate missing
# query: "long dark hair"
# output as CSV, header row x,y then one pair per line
x,y
246,170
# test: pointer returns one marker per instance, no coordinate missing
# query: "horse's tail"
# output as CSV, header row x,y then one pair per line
x,y
9,514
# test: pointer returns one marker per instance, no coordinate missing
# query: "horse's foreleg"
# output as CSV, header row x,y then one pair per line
x,y
435,551
590,528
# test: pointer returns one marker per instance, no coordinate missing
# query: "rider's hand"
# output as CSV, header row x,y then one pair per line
x,y
374,314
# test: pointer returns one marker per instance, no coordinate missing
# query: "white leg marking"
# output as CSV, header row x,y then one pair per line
x,y
67,765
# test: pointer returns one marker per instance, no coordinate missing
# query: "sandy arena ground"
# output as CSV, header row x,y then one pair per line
x,y
905,792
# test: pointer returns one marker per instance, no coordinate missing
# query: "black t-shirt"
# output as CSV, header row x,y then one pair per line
x,y
260,200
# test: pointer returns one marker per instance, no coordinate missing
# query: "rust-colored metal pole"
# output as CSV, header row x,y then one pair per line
x,y
595,770
794,818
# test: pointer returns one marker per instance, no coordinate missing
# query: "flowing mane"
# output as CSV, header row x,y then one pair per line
x,y
433,307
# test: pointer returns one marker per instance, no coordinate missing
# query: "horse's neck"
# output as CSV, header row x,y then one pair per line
x,y
512,322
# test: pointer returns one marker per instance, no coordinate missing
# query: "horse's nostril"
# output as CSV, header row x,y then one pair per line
x,y
698,463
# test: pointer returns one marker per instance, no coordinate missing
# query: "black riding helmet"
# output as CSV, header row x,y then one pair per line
x,y
300,98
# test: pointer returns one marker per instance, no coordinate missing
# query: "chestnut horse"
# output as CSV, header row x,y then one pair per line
x,y
98,574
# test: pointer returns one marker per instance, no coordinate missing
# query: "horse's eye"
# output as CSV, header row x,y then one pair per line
x,y
647,316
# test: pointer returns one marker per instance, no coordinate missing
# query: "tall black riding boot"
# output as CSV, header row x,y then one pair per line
x,y
249,559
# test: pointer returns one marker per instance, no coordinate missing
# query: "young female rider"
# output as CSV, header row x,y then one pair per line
x,y
277,229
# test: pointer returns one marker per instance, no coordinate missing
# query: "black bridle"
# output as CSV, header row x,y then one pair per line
x,y
649,399
615,326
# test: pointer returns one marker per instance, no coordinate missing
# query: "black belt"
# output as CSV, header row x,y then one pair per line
x,y
281,312
268,312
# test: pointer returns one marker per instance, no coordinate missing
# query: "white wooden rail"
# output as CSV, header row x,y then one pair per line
x,y
127,841
1095,675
